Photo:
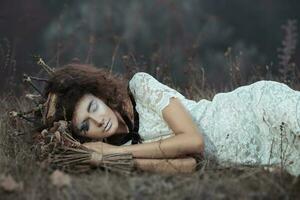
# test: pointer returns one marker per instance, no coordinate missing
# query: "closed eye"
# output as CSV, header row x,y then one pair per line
x,y
93,106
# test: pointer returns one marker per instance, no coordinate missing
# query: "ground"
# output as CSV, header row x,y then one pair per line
x,y
22,177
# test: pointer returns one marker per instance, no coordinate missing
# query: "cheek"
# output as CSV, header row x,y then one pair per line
x,y
115,120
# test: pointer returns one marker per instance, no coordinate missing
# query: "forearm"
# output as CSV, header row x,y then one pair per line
x,y
178,146
173,147
168,166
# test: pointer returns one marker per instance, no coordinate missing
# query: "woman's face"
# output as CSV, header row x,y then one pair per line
x,y
93,118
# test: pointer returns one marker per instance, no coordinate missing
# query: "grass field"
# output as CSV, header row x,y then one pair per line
x,y
31,180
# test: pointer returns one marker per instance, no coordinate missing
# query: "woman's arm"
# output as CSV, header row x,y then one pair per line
x,y
187,139
168,166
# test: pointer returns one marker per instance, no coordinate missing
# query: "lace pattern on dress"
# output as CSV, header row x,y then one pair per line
x,y
151,93
151,98
255,124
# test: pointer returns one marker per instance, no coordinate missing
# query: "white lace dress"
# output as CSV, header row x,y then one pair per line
x,y
255,124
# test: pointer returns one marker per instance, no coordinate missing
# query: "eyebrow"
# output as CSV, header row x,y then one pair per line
x,y
89,106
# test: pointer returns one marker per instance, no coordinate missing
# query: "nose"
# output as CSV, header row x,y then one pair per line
x,y
98,121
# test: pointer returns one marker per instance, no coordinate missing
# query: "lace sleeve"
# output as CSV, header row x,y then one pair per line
x,y
151,93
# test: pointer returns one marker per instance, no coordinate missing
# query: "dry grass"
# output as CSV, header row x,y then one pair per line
x,y
18,160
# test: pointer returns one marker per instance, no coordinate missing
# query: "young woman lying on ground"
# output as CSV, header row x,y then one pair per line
x,y
254,125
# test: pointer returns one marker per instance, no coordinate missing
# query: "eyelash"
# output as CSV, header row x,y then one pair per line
x,y
84,128
94,106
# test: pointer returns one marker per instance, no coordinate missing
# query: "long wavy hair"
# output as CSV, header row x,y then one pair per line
x,y
71,82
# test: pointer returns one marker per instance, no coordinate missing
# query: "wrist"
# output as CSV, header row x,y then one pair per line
x,y
119,149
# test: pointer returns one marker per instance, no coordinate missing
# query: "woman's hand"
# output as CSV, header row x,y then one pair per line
x,y
101,147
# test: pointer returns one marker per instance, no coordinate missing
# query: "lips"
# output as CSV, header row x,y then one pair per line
x,y
108,125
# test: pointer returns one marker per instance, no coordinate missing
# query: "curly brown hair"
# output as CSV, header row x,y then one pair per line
x,y
73,81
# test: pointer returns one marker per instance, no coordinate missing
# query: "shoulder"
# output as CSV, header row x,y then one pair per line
x,y
146,84
139,76
140,80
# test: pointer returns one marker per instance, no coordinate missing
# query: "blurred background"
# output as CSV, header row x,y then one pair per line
x,y
199,47
216,40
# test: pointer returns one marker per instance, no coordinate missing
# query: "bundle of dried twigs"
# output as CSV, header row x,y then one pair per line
x,y
55,146
60,150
